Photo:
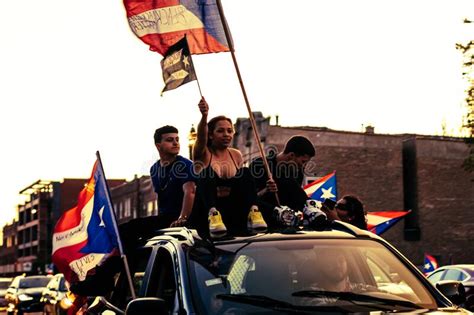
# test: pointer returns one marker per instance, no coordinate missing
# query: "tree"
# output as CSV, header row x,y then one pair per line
x,y
468,73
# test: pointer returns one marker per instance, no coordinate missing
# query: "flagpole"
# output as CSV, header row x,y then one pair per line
x,y
192,62
114,222
247,103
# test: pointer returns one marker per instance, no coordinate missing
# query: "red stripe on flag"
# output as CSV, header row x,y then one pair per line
x,y
199,41
137,7
63,256
72,217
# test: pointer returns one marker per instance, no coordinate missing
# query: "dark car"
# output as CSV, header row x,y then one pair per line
x,y
24,293
462,273
4,284
54,298
338,270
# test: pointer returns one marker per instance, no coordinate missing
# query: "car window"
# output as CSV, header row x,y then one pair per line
x,y
463,276
62,284
452,274
281,270
137,261
162,282
4,284
34,282
436,276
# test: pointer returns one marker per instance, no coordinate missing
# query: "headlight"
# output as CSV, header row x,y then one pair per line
x,y
65,303
24,297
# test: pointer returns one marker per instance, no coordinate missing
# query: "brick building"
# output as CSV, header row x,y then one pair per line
x,y
134,199
391,172
8,253
32,233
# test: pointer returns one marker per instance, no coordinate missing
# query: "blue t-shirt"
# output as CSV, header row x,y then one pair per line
x,y
168,183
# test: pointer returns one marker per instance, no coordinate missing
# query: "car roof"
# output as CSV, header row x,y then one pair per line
x,y
466,267
337,229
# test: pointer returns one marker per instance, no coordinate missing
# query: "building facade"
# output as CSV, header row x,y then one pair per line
x,y
391,172
31,235
134,199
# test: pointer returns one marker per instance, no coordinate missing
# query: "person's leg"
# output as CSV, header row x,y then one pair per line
x,y
244,192
207,216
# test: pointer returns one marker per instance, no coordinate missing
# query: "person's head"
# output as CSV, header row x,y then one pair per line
x,y
299,150
351,210
167,140
332,264
220,132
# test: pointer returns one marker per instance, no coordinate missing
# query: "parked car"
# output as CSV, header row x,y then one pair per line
x,y
178,272
24,293
54,298
4,284
462,273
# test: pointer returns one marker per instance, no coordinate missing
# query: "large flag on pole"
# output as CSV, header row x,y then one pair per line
x,y
380,221
161,23
86,235
177,66
322,188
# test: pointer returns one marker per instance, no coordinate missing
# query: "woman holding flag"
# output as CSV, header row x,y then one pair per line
x,y
226,193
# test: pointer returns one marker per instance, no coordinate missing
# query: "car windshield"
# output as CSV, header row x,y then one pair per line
x,y
34,282
304,275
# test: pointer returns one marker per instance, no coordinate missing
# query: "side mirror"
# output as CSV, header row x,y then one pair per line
x,y
453,290
146,306
100,304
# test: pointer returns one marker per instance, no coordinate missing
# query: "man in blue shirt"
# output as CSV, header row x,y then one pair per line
x,y
173,179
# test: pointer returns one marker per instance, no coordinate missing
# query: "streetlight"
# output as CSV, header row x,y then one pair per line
x,y
191,140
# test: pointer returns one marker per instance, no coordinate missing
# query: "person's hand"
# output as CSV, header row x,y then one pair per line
x,y
271,186
203,107
330,213
181,221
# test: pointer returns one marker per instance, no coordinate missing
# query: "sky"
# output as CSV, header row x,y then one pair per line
x,y
74,79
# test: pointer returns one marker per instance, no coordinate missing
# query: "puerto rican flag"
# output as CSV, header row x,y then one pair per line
x,y
85,235
430,264
380,221
322,188
162,23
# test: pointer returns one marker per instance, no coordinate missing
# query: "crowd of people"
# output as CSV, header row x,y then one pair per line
x,y
217,195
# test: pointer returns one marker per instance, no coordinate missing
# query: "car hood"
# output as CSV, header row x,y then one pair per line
x,y
31,291
445,310
2,292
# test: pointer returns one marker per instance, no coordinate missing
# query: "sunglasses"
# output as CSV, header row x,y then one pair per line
x,y
341,206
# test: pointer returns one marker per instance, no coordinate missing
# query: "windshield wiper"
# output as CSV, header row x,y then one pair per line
x,y
273,304
355,297
257,300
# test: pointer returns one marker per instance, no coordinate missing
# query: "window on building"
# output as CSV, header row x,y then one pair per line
x,y
127,207
34,214
149,210
27,215
34,233
27,235
34,250
22,217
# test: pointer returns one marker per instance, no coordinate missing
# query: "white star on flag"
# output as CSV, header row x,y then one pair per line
x,y
327,193
185,61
